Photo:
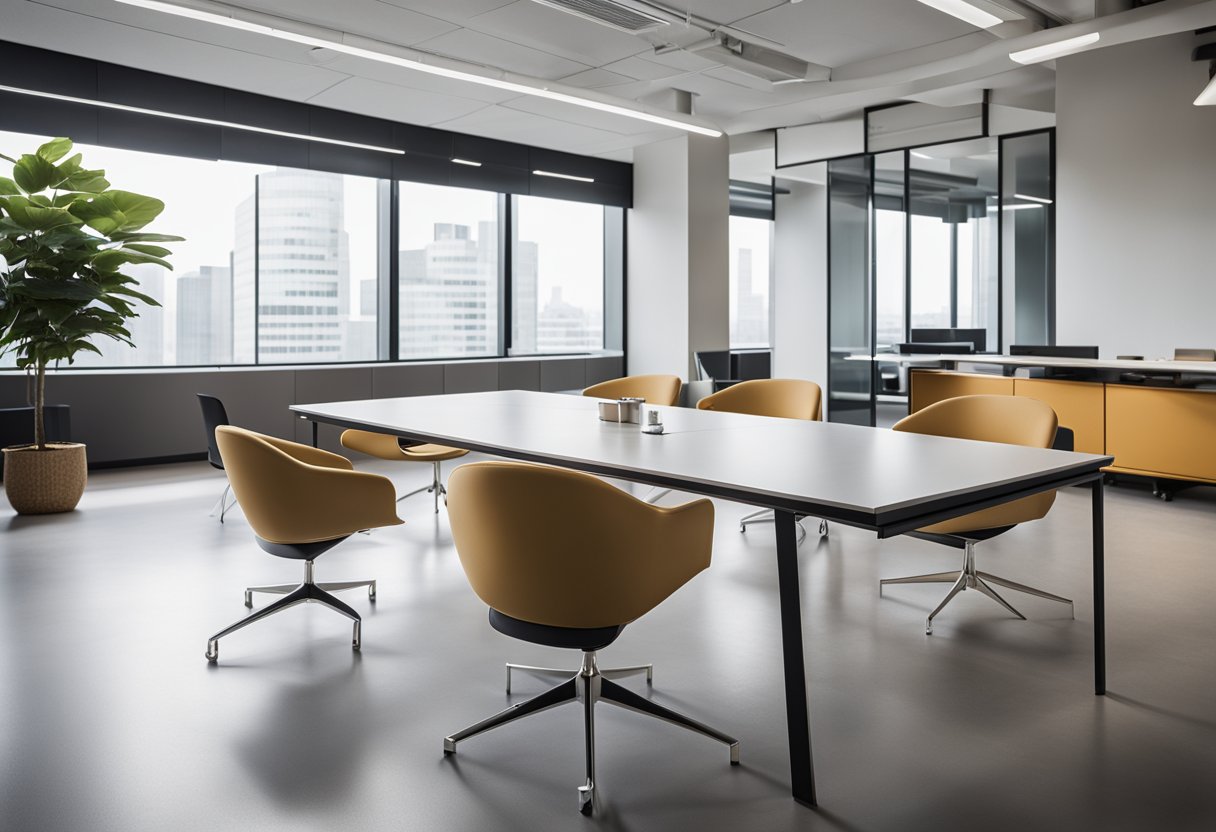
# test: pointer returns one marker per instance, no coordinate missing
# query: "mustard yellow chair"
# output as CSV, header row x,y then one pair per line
x,y
300,502
783,398
1013,420
384,446
564,559
655,389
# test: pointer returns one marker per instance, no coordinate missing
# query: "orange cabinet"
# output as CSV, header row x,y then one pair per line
x,y
1079,405
929,386
1163,432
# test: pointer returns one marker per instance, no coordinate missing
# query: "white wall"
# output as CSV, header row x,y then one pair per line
x,y
1136,200
678,254
799,293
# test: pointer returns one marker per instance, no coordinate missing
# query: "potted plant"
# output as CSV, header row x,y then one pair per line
x,y
65,237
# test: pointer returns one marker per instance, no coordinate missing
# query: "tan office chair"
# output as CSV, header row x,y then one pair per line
x,y
384,446
784,398
1014,420
564,559
300,502
655,389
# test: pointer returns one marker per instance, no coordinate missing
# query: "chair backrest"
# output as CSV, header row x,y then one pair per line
x,y
566,549
788,398
292,493
1012,420
655,389
214,415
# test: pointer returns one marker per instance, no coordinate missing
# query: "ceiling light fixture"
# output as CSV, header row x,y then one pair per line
x,y
1030,198
966,12
563,176
468,162
920,155
1051,51
127,108
1208,96
383,53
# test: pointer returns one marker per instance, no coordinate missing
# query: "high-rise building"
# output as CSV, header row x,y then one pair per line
x,y
204,316
449,294
563,327
302,272
147,329
751,310
525,301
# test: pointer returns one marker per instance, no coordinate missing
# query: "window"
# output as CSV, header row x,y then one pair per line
x,y
750,243
316,269
448,272
557,280
194,323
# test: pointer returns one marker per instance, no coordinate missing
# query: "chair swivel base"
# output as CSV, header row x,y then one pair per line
x,y
767,516
307,592
564,672
968,577
589,687
436,487
224,505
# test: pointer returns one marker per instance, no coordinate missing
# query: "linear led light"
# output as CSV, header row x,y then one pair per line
x,y
335,43
468,162
1051,51
1208,96
127,108
563,176
992,208
965,11
1030,198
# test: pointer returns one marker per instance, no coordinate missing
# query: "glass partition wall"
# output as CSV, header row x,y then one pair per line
x,y
947,237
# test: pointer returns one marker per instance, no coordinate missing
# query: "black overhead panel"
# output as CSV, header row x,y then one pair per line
x,y
505,167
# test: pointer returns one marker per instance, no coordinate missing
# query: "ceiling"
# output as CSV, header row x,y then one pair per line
x,y
877,51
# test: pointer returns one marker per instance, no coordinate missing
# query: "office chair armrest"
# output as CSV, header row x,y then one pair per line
x,y
317,503
310,455
671,549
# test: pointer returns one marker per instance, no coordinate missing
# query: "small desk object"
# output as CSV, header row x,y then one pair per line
x,y
880,480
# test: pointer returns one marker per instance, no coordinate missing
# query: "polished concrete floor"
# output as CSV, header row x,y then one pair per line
x,y
111,719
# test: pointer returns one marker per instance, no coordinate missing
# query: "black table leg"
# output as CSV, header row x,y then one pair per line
x,y
1099,592
314,434
797,712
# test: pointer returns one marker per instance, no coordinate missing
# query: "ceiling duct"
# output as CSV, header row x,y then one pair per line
x,y
624,17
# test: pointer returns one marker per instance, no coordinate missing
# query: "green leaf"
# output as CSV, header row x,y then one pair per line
x,y
45,289
8,186
55,149
137,210
108,261
33,174
155,251
87,181
146,238
36,217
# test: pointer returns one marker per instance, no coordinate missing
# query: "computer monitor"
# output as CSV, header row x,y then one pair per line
x,y
978,338
752,364
1054,350
713,364
936,347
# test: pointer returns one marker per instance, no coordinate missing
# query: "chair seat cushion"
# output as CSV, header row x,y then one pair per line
x,y
574,638
432,453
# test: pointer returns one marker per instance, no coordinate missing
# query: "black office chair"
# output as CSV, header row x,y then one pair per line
x,y
215,415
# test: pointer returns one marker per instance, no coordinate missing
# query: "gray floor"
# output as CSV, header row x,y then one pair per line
x,y
111,719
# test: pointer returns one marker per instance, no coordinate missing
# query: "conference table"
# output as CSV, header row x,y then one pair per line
x,y
880,480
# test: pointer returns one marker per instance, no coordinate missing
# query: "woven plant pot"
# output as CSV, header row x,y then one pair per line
x,y
45,482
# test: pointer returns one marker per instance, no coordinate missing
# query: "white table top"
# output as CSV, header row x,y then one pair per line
x,y
1148,367
864,476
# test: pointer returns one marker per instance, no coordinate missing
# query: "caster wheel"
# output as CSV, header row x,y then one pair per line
x,y
249,599
585,803
371,593
823,527
742,528
213,652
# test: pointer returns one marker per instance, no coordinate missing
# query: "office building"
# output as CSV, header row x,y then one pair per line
x,y
911,530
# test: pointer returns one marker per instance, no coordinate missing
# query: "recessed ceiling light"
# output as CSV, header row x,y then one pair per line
x,y
966,12
223,15
1208,96
468,162
563,176
108,105
1051,51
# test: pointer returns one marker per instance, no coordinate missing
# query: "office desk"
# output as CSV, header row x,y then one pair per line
x,y
887,482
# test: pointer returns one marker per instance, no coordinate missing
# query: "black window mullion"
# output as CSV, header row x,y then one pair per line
x,y
506,270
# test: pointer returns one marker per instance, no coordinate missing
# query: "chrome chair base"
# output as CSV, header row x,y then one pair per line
x,y
589,687
223,504
436,487
767,516
307,592
968,577
564,672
